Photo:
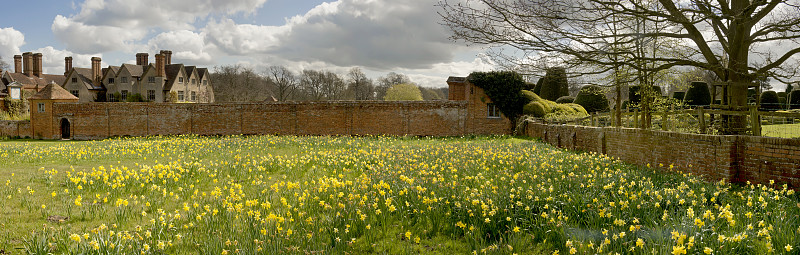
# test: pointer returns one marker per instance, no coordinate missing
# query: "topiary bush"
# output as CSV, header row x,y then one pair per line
x,y
565,100
794,99
535,109
698,94
592,98
530,96
578,109
769,101
538,88
554,84
679,95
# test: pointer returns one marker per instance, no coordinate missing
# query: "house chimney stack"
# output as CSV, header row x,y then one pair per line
x,y
167,56
18,63
37,64
96,71
27,63
160,65
142,59
67,65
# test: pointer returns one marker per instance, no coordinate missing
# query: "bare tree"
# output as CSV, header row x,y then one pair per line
x,y
333,86
725,36
285,82
359,85
389,80
235,83
311,85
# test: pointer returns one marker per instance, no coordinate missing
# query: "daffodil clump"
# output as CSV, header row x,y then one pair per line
x,y
287,194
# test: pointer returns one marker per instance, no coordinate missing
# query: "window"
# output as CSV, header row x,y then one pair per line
x,y
41,107
194,81
151,95
124,96
74,80
194,96
180,96
74,92
110,80
111,98
151,79
493,111
124,79
180,79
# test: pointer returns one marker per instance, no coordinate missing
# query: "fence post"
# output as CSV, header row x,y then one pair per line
x,y
755,121
665,120
593,120
701,115
636,118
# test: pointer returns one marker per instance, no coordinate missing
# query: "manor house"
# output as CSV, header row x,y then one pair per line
x,y
161,81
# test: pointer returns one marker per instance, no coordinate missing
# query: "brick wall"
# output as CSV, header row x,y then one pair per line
x,y
431,118
733,158
15,128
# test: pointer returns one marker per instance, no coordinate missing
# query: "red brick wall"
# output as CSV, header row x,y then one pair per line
x,y
15,128
733,158
433,118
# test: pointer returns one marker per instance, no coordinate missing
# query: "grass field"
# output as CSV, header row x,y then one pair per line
x,y
781,130
312,195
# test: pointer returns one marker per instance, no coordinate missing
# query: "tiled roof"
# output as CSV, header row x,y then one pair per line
x,y
32,82
201,72
53,91
172,72
85,75
190,69
135,70
454,79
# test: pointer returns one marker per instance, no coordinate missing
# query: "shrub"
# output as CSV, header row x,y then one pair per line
x,y
536,109
538,88
635,93
679,95
794,99
403,92
578,108
554,84
698,94
530,96
592,98
136,97
565,100
503,88
530,86
769,101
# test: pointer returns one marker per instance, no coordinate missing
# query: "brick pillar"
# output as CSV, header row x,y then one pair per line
x,y
160,65
37,64
167,56
96,70
18,63
27,63
142,59
67,65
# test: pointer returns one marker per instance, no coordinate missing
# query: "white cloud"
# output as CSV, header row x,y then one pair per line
x,y
189,47
10,41
120,24
243,39
53,59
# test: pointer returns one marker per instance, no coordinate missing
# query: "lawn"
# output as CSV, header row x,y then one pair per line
x,y
781,130
357,195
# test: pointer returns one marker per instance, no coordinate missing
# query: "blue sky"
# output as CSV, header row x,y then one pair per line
x,y
380,36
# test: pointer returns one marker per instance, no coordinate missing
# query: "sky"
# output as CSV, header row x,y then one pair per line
x,y
379,36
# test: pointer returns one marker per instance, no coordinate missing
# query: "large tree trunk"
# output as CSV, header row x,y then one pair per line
x,y
738,73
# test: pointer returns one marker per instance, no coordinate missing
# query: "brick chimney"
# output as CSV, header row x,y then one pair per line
x,y
167,56
142,59
37,64
160,65
18,63
96,70
67,65
27,63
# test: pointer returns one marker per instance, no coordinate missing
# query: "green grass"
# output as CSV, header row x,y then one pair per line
x,y
365,195
781,130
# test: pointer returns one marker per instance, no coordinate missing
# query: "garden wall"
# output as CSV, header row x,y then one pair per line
x,y
733,158
437,118
15,128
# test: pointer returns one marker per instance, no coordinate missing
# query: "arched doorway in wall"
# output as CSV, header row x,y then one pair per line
x,y
65,132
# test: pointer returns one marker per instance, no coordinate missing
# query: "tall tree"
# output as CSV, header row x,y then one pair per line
x,y
359,85
311,83
403,92
333,86
724,36
284,80
389,80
